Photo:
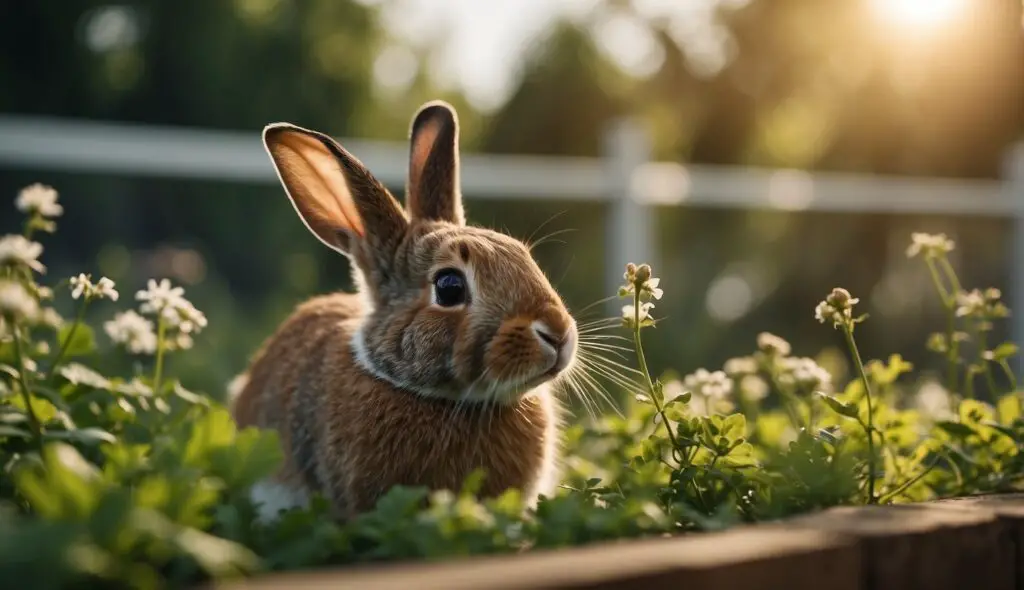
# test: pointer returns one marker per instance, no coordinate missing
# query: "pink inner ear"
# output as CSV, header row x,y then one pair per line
x,y
423,143
319,173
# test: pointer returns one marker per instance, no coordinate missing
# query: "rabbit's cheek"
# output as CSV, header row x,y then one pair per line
x,y
514,356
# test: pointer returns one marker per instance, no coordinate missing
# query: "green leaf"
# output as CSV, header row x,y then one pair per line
x,y
957,429
89,436
214,430
12,432
1009,408
735,425
82,342
1004,351
843,409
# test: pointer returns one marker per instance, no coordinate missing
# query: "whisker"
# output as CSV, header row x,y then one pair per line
x,y
600,389
596,303
604,346
541,226
548,237
611,375
594,358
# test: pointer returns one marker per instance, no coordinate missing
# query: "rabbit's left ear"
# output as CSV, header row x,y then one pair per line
x,y
432,192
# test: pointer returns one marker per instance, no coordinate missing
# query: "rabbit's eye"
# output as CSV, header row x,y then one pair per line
x,y
450,288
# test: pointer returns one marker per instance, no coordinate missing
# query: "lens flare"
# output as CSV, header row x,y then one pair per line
x,y
918,13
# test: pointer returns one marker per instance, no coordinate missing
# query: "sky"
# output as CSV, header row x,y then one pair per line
x,y
485,42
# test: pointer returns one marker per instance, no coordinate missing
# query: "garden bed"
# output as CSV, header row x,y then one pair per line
x,y
775,471
966,543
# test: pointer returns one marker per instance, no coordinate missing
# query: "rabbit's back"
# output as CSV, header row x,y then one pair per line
x,y
283,373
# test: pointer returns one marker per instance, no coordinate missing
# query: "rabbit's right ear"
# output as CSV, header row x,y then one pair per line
x,y
338,199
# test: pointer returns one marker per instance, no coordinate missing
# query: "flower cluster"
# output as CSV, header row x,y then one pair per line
x,y
16,302
82,285
641,287
931,245
178,316
174,320
16,250
772,345
837,308
132,331
38,199
804,374
983,306
711,384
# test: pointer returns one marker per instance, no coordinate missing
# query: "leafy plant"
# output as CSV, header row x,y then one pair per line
x,y
136,481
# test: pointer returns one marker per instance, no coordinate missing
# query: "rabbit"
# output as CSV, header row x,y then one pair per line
x,y
442,361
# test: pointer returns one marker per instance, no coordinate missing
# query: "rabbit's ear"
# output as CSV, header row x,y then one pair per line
x,y
334,194
433,191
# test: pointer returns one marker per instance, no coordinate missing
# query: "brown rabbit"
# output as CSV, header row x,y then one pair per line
x,y
441,362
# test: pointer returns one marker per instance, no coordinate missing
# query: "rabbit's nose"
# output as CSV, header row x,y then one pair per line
x,y
562,345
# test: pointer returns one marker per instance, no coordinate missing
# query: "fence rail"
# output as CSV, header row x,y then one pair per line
x,y
624,177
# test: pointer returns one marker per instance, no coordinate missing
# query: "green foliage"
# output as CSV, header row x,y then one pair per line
x,y
138,482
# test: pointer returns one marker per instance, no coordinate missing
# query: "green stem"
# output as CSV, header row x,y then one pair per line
x,y
989,378
161,330
870,427
903,487
36,425
70,337
642,361
1009,373
949,304
969,383
947,298
951,275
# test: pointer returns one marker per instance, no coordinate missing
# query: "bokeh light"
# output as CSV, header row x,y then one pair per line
x,y
919,14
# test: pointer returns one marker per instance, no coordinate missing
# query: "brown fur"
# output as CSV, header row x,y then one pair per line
x,y
388,386
364,426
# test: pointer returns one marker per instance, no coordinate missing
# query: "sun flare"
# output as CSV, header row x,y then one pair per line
x,y
918,13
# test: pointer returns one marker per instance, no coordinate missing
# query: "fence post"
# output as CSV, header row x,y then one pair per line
x,y
628,226
1015,187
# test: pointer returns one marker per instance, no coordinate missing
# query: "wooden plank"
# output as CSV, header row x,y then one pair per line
x,y
1009,509
922,547
753,557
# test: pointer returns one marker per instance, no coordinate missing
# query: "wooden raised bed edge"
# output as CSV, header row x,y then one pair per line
x,y
961,544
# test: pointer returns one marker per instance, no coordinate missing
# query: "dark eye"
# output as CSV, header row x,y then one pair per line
x,y
450,288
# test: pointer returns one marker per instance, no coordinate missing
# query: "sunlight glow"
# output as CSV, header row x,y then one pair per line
x,y
918,13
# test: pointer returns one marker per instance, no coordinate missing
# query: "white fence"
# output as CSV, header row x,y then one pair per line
x,y
625,177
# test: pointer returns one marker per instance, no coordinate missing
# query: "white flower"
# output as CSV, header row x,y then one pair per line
x,y
134,388
16,249
826,313
754,388
715,384
49,317
673,389
15,301
629,312
159,296
743,365
103,289
83,375
934,401
133,331
970,302
185,317
771,344
931,244
79,285
40,199
651,286
805,373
